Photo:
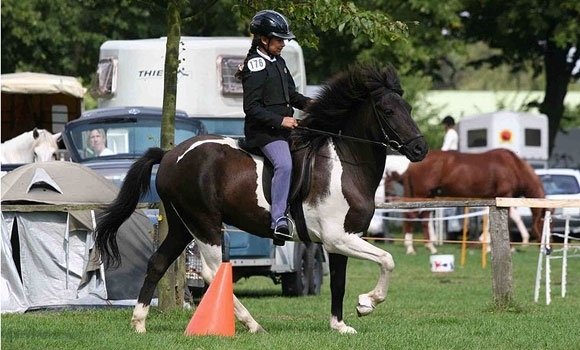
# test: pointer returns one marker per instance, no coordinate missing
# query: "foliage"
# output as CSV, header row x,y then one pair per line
x,y
423,310
63,37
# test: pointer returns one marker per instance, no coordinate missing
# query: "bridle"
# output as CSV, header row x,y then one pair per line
x,y
395,145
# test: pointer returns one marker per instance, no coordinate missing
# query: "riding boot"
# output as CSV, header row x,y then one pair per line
x,y
282,230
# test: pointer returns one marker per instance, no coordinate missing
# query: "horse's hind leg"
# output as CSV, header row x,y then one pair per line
x,y
515,216
211,256
177,239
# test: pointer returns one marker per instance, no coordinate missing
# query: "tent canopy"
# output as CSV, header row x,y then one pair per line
x,y
41,83
56,183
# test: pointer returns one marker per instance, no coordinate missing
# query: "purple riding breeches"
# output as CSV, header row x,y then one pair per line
x,y
278,152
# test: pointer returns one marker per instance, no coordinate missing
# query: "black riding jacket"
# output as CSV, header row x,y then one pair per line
x,y
269,95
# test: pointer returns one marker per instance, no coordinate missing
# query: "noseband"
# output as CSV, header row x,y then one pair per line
x,y
395,144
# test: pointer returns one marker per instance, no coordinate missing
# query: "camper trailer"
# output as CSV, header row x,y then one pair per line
x,y
525,134
130,73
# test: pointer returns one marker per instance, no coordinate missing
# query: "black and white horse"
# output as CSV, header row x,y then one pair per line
x,y
209,180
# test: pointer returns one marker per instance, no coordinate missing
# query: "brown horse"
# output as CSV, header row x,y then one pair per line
x,y
495,173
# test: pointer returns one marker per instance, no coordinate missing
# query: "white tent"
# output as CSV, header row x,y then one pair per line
x,y
41,83
48,256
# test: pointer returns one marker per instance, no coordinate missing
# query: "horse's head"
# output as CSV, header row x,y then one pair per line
x,y
393,113
366,103
44,145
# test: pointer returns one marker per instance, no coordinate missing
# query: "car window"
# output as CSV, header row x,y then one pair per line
x,y
127,138
560,184
231,127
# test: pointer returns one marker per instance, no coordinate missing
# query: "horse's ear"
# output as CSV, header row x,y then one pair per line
x,y
35,133
56,136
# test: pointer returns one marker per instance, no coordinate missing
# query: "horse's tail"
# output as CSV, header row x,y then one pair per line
x,y
137,183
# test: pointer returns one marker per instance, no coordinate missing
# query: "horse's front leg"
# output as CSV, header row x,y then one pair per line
x,y
353,246
337,265
428,231
408,230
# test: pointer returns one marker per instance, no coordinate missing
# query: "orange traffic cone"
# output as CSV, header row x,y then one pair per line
x,y
215,313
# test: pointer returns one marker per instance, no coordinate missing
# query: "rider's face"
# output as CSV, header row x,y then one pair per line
x,y
274,45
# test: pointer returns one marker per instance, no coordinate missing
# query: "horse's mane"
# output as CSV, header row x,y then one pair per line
x,y
344,93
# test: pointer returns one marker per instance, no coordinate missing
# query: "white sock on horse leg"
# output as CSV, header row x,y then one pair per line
x,y
408,242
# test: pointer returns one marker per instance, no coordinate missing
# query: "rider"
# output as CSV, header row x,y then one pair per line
x,y
269,95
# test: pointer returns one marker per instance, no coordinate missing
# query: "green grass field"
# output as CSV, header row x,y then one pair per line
x,y
424,310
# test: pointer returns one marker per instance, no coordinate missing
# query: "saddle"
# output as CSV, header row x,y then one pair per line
x,y
302,163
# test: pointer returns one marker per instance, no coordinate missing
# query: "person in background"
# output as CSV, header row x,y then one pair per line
x,y
98,143
451,138
451,143
269,97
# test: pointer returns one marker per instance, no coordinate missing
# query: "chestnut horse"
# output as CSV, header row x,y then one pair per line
x,y
496,173
209,179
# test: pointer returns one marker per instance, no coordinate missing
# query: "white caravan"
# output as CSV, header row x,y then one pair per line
x,y
130,73
525,134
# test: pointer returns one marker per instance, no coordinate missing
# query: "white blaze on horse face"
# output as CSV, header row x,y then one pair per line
x,y
326,217
44,153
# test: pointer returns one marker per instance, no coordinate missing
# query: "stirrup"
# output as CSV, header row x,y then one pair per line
x,y
284,231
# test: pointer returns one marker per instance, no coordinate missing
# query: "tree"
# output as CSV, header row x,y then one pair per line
x,y
543,34
63,37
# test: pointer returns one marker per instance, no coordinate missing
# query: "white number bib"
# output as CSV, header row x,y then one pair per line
x,y
256,64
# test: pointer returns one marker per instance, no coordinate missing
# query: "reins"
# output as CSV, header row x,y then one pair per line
x,y
316,131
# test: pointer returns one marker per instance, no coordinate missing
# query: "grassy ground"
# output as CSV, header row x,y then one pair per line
x,y
424,310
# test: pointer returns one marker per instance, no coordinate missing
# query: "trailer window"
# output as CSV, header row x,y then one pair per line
x,y
477,138
533,137
105,82
227,67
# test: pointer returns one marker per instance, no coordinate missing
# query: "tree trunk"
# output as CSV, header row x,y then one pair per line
x,y
171,286
558,73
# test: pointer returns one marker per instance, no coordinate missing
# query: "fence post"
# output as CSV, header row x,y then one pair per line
x,y
501,263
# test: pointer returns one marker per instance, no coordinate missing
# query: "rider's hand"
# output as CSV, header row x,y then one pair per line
x,y
289,123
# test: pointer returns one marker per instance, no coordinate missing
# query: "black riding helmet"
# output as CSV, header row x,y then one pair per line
x,y
271,23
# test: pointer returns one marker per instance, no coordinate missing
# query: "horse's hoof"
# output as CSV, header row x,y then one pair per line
x,y
341,327
257,329
140,329
411,252
365,305
347,330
